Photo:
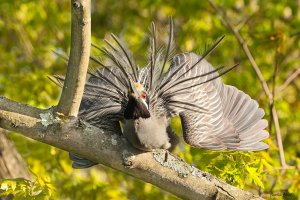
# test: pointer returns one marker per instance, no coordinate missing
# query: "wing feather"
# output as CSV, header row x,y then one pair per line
x,y
227,118
98,103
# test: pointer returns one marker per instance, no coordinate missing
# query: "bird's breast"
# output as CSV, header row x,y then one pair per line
x,y
147,134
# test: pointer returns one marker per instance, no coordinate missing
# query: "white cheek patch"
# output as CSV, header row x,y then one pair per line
x,y
145,103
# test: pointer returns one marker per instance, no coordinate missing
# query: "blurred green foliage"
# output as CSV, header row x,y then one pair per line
x,y
30,30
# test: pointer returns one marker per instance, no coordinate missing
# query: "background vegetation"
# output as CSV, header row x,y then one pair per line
x,y
30,30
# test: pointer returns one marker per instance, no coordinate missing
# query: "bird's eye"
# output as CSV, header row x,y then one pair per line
x,y
143,95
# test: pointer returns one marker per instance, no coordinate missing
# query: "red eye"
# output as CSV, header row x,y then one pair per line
x,y
143,95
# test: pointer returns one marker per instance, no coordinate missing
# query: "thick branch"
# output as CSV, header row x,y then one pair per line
x,y
11,163
112,150
79,58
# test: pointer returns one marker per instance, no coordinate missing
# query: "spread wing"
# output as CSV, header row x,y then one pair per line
x,y
213,115
104,98
102,104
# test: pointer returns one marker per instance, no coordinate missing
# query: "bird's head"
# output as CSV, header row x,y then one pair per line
x,y
138,103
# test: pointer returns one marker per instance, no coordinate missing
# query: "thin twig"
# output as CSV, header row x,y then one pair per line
x,y
244,45
280,168
79,58
276,66
244,21
278,137
264,84
288,81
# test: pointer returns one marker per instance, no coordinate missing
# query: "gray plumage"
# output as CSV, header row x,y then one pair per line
x,y
214,116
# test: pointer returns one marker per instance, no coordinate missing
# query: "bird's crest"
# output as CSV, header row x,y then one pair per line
x,y
139,86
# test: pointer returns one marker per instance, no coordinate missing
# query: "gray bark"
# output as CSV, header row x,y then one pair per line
x,y
107,148
79,58
12,164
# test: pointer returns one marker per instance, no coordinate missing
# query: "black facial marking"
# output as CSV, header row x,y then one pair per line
x,y
135,109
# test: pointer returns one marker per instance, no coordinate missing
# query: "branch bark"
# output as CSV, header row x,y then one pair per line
x,y
112,150
11,163
79,58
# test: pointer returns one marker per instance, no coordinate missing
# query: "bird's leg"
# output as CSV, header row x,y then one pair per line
x,y
166,156
174,139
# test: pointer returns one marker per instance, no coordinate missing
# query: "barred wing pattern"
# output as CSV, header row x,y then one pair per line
x,y
104,99
217,116
102,104
181,88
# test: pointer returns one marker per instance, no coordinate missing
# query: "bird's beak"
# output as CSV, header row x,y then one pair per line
x,y
145,103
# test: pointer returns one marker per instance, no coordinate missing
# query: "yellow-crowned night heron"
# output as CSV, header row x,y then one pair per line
x,y
213,115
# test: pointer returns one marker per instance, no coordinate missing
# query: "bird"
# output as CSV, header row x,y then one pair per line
x,y
214,116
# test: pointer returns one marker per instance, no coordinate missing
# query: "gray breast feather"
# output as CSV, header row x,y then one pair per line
x,y
147,134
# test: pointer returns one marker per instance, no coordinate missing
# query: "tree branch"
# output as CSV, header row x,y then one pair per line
x,y
11,163
244,45
113,150
288,81
278,137
79,58
263,82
